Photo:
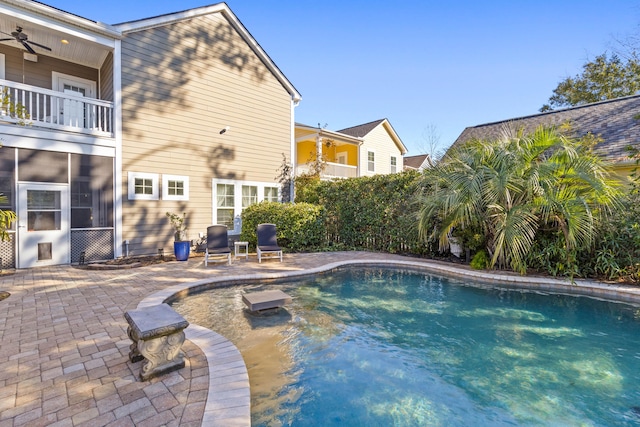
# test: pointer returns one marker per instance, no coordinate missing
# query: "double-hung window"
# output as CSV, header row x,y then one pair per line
x,y
225,204
231,197
371,161
394,164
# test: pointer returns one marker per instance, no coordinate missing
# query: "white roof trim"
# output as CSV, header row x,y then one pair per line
x,y
145,24
162,20
392,132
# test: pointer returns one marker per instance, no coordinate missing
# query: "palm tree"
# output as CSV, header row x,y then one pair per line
x,y
507,189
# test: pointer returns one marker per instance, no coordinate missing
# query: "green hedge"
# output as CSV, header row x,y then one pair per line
x,y
300,226
379,213
369,213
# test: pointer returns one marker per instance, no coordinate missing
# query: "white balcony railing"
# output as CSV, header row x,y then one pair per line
x,y
55,110
333,170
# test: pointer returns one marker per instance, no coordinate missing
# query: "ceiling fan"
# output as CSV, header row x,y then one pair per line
x,y
22,38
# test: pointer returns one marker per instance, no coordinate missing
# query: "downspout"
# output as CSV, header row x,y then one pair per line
x,y
359,160
294,150
117,112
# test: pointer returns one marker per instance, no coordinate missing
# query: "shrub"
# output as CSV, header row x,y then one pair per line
x,y
548,254
616,253
299,226
509,190
480,260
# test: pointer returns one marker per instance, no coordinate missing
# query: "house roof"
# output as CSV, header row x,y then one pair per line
x,y
363,130
417,161
171,18
615,121
326,133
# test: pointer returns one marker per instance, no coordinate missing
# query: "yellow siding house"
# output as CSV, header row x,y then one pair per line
x,y
363,150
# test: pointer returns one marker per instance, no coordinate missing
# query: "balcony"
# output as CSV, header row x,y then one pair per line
x,y
46,108
332,170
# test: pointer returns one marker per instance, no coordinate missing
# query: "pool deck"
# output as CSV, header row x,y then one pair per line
x,y
64,346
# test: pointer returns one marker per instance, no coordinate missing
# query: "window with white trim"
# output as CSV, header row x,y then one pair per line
x,y
225,204
271,194
371,161
175,187
249,195
394,164
231,197
143,186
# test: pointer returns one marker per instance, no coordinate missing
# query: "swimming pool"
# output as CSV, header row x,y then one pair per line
x,y
374,346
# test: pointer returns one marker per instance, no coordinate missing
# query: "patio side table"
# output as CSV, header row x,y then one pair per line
x,y
241,249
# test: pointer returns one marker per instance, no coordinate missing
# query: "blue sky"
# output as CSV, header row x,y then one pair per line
x,y
432,68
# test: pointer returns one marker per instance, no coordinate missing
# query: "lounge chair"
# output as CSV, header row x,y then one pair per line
x,y
217,245
267,243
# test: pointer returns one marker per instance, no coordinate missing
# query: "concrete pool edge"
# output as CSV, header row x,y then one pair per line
x,y
228,398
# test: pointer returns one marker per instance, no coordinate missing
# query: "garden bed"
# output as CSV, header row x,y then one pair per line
x,y
126,262
131,262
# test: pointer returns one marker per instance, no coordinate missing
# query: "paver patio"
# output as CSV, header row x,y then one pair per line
x,y
64,353
64,347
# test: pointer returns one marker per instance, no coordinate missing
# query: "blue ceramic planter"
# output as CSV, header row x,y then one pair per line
x,y
181,250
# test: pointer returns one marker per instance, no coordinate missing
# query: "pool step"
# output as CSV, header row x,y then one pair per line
x,y
265,300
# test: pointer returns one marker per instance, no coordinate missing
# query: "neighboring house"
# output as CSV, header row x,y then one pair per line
x,y
368,149
337,152
381,150
419,162
126,123
615,122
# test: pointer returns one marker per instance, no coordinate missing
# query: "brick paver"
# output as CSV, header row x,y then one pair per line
x,y
64,353
64,347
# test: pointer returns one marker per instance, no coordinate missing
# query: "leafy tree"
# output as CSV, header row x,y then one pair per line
x,y
601,79
507,190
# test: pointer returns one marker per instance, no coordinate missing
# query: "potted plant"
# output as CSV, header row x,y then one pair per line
x,y
181,246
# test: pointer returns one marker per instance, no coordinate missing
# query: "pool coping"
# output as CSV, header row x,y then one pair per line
x,y
228,399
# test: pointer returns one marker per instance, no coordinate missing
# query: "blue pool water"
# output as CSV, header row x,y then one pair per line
x,y
382,347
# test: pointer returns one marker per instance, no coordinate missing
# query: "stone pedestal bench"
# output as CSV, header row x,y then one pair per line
x,y
265,300
157,333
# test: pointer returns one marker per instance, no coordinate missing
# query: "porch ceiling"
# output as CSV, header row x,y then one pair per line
x,y
308,133
83,47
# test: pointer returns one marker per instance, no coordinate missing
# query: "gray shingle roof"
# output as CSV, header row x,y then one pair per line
x,y
361,130
414,162
616,121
